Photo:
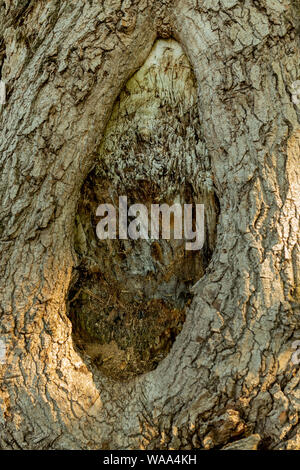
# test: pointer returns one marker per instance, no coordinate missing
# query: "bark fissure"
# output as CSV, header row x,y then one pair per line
x,y
229,373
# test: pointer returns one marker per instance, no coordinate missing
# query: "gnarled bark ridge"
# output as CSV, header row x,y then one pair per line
x,y
229,374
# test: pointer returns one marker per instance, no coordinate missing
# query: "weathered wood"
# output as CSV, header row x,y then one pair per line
x,y
229,373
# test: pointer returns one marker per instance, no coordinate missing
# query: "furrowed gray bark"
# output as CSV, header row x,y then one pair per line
x,y
229,375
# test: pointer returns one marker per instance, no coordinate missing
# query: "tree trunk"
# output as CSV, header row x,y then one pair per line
x,y
229,375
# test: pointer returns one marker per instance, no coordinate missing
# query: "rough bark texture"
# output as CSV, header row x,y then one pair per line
x,y
128,298
229,374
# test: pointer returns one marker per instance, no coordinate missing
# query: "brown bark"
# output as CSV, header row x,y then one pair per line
x,y
229,373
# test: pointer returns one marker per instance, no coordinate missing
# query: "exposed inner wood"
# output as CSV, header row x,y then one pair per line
x,y
128,299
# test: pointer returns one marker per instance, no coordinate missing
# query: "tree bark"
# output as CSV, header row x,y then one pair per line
x,y
229,374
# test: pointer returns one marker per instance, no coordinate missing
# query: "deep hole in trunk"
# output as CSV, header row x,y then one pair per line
x,y
128,298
